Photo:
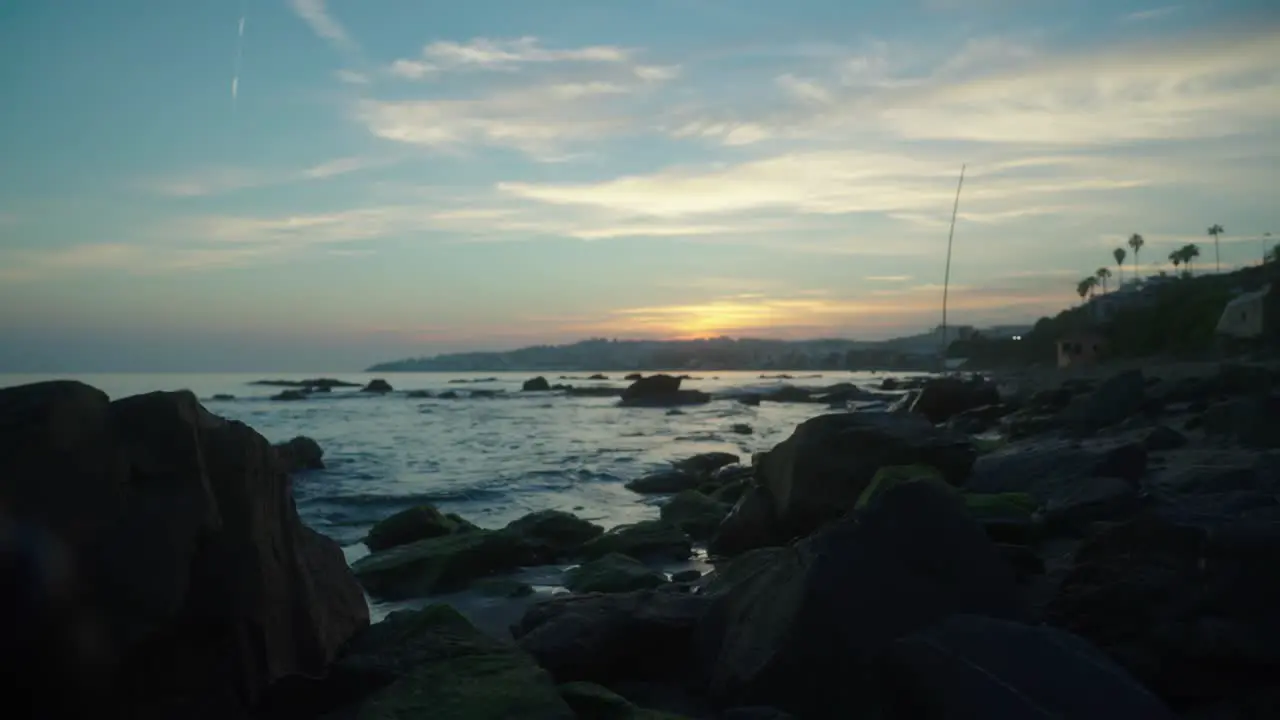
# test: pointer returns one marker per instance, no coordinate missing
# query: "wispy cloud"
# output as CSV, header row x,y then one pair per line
x,y
219,180
1152,14
316,15
352,77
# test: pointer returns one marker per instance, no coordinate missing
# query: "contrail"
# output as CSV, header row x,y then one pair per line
x,y
235,71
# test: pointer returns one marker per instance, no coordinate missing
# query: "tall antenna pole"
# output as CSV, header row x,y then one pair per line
x,y
946,280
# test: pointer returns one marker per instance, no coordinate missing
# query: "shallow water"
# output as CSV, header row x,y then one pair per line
x,y
490,460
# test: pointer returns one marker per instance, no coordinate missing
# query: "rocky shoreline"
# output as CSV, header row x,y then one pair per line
x,y
1103,547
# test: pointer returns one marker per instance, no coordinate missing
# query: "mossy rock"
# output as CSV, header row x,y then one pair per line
x,y
416,523
457,673
642,540
1010,517
564,533
613,573
696,514
443,564
893,475
1009,503
596,702
988,445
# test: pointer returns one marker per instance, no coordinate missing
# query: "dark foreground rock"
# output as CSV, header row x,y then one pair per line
x,y
613,573
300,453
943,398
661,391
538,384
413,524
970,666
801,631
377,385
196,577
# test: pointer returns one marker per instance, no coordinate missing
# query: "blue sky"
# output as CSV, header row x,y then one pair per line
x,y
349,181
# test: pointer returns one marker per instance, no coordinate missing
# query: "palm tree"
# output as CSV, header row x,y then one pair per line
x,y
1082,287
1175,257
1136,242
1190,252
1215,230
1103,274
1119,254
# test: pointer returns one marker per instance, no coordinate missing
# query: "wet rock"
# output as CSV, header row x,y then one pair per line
x,y
751,524
1116,399
179,527
685,576
613,573
377,385
696,514
801,633
818,473
643,635
418,394
412,524
661,391
788,394
596,702
500,587
1088,500
224,396
943,398
1164,438
444,564
435,664
970,666
650,539
751,399
707,463
979,419
538,384
667,481
448,395
1253,422
562,533
633,377
741,429
1186,604
1043,469
298,454
290,395
1006,517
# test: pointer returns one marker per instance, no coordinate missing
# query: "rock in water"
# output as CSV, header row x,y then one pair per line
x,y
413,524
562,533
440,666
800,632
643,540
613,573
377,385
300,453
696,514
445,563
661,391
818,473
942,398
538,384
183,532
970,666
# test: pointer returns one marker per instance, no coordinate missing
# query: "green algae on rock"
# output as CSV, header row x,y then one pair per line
x,y
614,572
642,540
443,564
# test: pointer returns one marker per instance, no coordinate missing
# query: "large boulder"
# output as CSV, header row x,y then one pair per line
x,y
1185,602
705,464
1253,421
818,473
538,384
970,666
661,391
562,533
801,632
643,635
300,453
696,514
434,663
942,398
1118,398
445,564
412,524
751,524
201,582
665,481
614,572
645,540
377,385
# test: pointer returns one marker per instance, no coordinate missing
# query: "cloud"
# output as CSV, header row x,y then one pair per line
x,y
804,89
657,73
412,69
1152,14
888,278
317,17
220,180
352,77
501,54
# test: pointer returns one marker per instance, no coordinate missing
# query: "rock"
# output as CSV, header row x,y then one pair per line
x,y
308,383
415,523
942,398
801,633
696,514
500,587
643,635
1117,398
1185,604
661,391
1044,469
418,394
613,573
892,475
1164,438
731,573
290,395
751,399
707,463
596,702
686,576
589,391
377,385
1126,460
788,394
598,376
448,395
650,539
729,493
633,377
970,666
224,396
756,712
199,581
444,564
1006,517
889,384
562,533
751,524
1088,500
741,429
667,481
818,473
1254,421
440,666
538,384
300,453
733,472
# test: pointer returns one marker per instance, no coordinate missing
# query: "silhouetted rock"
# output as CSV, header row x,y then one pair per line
x,y
942,398
751,524
445,563
186,545
224,396
377,385
1164,438
538,384
661,391
290,395
650,539
597,376
741,429
308,383
300,453
696,514
1252,421
418,394
633,377
667,481
413,524
1116,399
706,463
613,573
562,533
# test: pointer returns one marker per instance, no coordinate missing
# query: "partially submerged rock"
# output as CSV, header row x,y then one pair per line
x,y
377,385
561,532
942,398
707,463
444,564
661,391
666,481
650,539
696,514
538,384
613,573
413,524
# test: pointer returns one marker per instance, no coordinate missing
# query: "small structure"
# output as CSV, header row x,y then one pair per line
x,y
1081,349
1246,317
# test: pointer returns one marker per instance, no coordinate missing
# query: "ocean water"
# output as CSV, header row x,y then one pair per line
x,y
490,460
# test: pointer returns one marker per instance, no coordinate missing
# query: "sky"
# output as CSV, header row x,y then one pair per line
x,y
301,185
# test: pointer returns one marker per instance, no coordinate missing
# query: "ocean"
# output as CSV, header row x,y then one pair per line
x,y
489,459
